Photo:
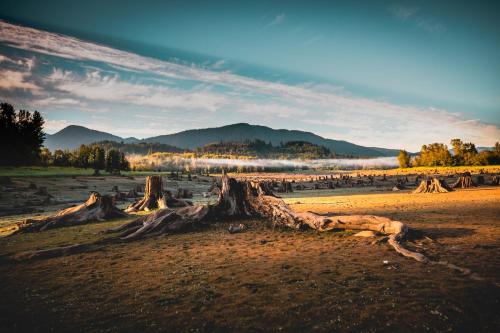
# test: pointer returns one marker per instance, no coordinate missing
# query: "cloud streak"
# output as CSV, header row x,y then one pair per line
x,y
157,88
421,21
277,20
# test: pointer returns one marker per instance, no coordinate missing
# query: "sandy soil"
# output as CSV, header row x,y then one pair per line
x,y
271,280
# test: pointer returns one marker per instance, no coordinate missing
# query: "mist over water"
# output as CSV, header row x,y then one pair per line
x,y
343,163
176,162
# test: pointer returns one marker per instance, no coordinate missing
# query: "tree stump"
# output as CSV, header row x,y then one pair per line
x,y
183,193
96,208
464,181
433,185
239,199
285,187
152,194
42,191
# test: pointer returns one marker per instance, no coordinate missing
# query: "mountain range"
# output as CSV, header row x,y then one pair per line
x,y
73,136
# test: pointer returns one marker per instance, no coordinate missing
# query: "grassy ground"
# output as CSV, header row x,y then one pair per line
x,y
264,280
35,171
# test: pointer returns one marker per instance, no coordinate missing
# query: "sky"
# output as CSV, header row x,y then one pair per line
x,y
394,74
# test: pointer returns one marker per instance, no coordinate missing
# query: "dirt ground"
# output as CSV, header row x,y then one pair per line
x,y
265,280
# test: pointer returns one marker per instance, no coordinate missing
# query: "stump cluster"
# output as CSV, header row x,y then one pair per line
x,y
239,199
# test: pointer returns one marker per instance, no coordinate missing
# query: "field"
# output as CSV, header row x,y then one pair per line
x,y
263,279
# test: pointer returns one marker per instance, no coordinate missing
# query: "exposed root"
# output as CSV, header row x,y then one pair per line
x,y
240,198
96,208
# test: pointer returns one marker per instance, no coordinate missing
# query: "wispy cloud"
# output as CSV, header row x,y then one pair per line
x,y
313,40
430,24
403,13
110,88
189,96
415,16
277,20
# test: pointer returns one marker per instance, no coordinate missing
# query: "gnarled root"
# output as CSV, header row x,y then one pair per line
x,y
239,198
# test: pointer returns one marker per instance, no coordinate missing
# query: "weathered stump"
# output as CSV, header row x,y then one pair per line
x,y
241,198
433,185
152,193
464,181
96,208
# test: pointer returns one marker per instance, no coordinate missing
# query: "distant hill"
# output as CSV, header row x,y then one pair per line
x,y
259,148
139,147
192,139
73,136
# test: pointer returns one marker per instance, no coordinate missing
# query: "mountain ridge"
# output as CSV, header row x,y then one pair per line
x,y
73,136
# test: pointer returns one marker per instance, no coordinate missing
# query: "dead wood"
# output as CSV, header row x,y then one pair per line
x,y
152,194
183,193
433,185
243,198
96,208
464,181
285,187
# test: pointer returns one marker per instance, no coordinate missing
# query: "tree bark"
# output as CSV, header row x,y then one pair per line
x,y
433,185
238,199
464,181
96,208
152,194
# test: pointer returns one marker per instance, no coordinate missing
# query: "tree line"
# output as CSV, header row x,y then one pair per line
x,y
21,143
438,154
21,136
86,157
259,148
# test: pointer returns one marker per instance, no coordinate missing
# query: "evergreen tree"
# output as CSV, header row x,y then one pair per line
x,y
21,136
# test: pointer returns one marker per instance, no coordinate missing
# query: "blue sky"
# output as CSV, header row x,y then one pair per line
x,y
385,73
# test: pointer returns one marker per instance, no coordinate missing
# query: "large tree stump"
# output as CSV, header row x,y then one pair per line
x,y
152,194
241,198
433,185
464,181
285,187
96,208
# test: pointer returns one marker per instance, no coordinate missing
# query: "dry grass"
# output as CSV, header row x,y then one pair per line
x,y
264,280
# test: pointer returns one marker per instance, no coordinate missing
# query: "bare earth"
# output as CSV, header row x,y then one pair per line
x,y
270,280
